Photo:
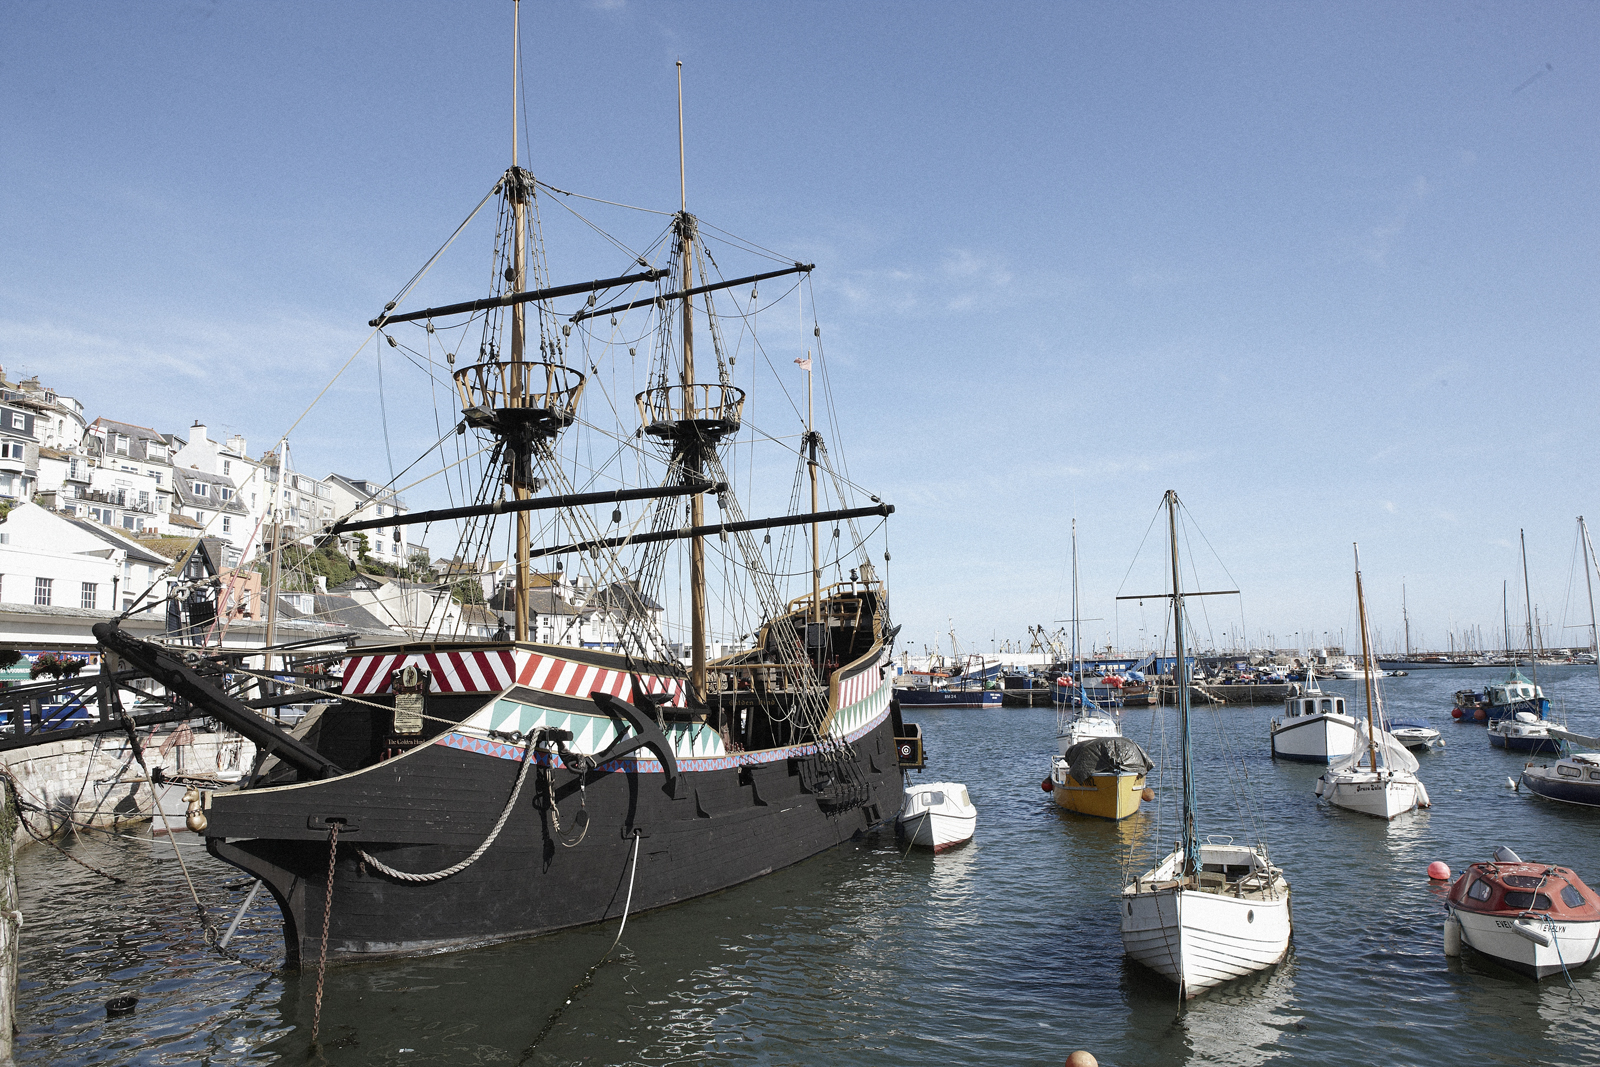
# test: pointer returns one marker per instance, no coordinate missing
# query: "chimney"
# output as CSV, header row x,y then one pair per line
x,y
236,445
197,433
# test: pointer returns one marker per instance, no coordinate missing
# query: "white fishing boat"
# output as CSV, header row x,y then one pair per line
x,y
1208,913
1379,777
937,815
1315,727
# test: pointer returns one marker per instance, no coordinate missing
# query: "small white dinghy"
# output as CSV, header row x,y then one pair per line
x,y
937,815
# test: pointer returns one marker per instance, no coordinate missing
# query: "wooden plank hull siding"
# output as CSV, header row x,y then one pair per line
x,y
730,817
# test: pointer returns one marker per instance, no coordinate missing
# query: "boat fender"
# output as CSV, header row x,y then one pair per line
x,y
1147,795
1047,785
1537,936
1452,935
1319,787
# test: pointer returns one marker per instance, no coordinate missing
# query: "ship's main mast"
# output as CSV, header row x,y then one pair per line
x,y
697,502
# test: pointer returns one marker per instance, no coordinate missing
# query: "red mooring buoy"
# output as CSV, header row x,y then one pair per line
x,y
1047,785
1439,871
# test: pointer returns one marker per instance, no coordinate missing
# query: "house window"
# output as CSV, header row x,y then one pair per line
x,y
201,489
227,524
122,444
156,475
87,599
18,421
224,492
227,466
12,449
41,591
128,522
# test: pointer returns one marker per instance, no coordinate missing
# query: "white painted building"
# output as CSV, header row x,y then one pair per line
x,y
247,482
48,561
361,499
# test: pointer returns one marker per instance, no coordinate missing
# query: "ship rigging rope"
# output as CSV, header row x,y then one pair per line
x,y
457,868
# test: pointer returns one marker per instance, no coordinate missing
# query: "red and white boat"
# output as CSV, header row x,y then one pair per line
x,y
1534,918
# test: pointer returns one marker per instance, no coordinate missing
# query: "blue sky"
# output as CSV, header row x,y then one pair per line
x,y
1327,270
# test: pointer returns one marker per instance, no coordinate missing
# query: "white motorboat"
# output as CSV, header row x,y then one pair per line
x,y
1379,777
1356,673
1534,918
1315,728
937,815
1417,736
1206,913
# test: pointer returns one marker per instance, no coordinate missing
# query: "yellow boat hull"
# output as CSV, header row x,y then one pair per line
x,y
1105,796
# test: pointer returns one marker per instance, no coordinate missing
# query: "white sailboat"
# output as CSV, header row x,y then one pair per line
x,y
1078,718
1208,913
1378,778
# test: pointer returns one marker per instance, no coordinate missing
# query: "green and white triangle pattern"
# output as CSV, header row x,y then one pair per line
x,y
859,714
592,733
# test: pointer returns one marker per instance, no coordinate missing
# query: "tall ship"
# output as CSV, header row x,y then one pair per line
x,y
464,790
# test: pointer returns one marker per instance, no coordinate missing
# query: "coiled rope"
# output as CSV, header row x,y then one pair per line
x,y
435,876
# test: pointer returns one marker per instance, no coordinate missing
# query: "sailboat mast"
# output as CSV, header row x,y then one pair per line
x,y
1367,665
697,502
1588,580
1406,616
1191,837
1527,604
1077,659
1505,618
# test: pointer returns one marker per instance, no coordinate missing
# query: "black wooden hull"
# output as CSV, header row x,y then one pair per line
x,y
429,809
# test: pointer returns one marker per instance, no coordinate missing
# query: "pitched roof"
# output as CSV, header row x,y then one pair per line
x,y
334,610
138,551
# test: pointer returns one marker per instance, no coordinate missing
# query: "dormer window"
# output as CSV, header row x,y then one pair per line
x,y
122,443
202,489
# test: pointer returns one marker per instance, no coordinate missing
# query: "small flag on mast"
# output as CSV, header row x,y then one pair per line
x,y
804,364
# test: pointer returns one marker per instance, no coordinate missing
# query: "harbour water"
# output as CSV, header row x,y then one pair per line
x,y
1004,951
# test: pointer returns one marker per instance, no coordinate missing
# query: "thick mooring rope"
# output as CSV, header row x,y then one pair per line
x,y
435,876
